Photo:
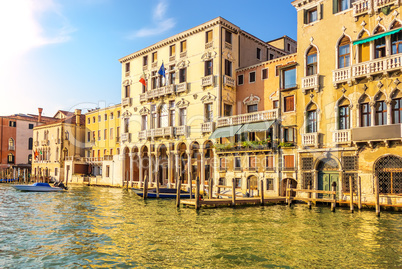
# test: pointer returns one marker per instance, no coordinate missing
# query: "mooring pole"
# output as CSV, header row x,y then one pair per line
x,y
359,193
377,196
309,195
262,191
197,193
233,193
178,192
145,189
351,194
333,203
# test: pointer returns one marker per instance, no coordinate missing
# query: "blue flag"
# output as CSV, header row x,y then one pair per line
x,y
162,71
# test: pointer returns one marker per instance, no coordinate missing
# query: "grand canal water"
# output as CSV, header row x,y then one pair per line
x,y
101,228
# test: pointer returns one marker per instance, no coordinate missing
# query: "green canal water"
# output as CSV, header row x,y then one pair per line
x,y
93,227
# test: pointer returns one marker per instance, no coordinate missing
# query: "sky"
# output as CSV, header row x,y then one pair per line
x,y
63,54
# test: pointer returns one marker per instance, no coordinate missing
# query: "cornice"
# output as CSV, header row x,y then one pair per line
x,y
262,43
181,36
283,58
299,4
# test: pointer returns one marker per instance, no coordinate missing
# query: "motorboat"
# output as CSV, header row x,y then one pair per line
x,y
163,193
38,187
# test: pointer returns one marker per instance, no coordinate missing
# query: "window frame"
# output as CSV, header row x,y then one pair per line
x,y
242,79
286,107
250,76
264,74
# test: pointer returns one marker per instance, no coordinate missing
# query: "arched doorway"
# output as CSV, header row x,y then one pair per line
x,y
284,186
162,173
136,168
209,161
195,161
252,185
328,174
388,169
144,163
181,151
126,171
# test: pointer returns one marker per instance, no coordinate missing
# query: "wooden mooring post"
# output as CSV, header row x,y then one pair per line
x,y
351,194
289,200
233,192
333,204
197,193
210,188
309,196
359,193
178,192
157,188
377,196
262,192
190,182
145,189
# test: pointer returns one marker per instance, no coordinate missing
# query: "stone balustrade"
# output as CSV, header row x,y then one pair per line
x,y
310,139
248,118
342,136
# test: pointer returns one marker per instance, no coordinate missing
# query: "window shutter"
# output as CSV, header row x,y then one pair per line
x,y
305,13
320,11
289,161
335,6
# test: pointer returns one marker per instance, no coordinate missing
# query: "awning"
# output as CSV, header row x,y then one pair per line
x,y
256,127
226,131
374,37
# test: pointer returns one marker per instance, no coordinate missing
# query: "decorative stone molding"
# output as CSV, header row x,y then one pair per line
x,y
144,111
251,100
208,98
127,82
209,55
126,114
183,64
182,103
228,99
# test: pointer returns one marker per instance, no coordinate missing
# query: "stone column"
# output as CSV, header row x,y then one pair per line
x,y
202,167
315,183
131,169
189,168
372,107
169,168
389,111
123,160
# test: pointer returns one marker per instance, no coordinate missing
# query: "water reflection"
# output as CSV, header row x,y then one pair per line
x,y
101,228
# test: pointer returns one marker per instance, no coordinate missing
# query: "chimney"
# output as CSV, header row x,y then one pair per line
x,y
40,114
78,117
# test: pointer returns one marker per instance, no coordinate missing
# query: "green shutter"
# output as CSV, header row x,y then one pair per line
x,y
335,6
321,12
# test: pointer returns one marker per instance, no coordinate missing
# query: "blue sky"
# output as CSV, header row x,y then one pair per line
x,y
63,54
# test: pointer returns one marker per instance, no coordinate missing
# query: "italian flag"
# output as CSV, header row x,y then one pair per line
x,y
142,80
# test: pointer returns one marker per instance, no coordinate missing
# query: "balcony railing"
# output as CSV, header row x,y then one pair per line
x,y
172,58
156,93
93,159
383,3
362,7
127,73
228,46
238,169
182,130
208,127
142,135
160,132
126,101
44,143
342,136
11,147
143,97
182,87
183,54
341,75
311,82
36,144
248,118
154,64
228,81
207,81
126,137
209,45
310,139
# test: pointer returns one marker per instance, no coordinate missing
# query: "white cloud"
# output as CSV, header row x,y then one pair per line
x,y
162,24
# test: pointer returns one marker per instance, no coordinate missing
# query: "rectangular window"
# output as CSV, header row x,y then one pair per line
x,y
289,162
228,37
240,79
127,91
56,171
276,70
127,67
222,163
208,37
208,113
396,110
275,104
105,134
105,117
264,73
252,108
341,5
107,170
93,119
111,115
12,123
289,103
145,60
271,56
269,163
227,110
270,184
344,56
208,68
89,120
183,46
379,46
311,15
172,113
289,134
237,162
93,136
182,116
252,162
89,137
172,75
344,112
380,113
118,114
312,121
30,126
172,50
99,118
251,77
154,57
182,75
365,118
228,68
289,78
258,53
118,133
99,135
144,122
111,132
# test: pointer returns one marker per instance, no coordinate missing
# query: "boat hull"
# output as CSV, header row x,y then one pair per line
x,y
163,193
38,187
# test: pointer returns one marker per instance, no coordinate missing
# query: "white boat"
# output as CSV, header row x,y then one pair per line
x,y
38,187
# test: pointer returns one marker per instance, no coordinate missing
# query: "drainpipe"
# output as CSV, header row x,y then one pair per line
x,y
220,74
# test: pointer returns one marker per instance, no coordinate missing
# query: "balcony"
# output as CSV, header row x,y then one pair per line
x,y
154,64
127,73
383,3
160,132
145,67
311,139
11,147
341,75
118,139
362,7
238,169
209,45
377,133
36,144
228,81
172,58
342,137
142,135
182,87
182,130
248,118
311,82
207,127
207,81
126,101
228,46
143,97
126,137
183,54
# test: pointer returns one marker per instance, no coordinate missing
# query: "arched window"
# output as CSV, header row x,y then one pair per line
x,y
30,143
364,49
312,118
365,112
389,173
11,144
396,105
380,110
379,44
396,39
311,64
344,52
164,116
344,114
